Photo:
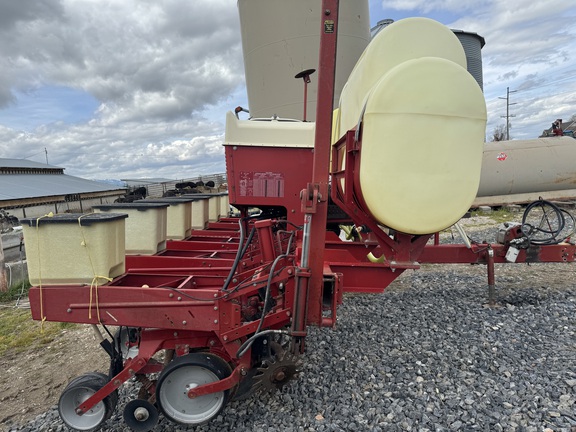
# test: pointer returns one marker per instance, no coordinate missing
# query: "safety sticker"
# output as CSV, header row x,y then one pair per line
x,y
262,184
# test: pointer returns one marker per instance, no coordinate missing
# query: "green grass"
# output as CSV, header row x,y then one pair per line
x,y
13,293
19,332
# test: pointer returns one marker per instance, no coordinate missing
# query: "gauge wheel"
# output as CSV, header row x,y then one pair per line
x,y
79,390
185,373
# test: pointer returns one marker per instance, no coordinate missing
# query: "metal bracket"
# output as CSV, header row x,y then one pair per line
x,y
312,195
217,386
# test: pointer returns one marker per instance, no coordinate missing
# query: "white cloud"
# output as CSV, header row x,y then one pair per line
x,y
149,59
154,67
161,74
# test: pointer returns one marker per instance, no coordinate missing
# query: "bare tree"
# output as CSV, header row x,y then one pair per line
x,y
499,133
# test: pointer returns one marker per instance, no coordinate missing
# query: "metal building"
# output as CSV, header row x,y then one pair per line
x,y
33,189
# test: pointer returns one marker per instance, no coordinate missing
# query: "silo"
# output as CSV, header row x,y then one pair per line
x,y
472,43
379,26
282,38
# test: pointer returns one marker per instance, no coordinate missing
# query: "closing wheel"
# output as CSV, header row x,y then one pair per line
x,y
140,415
185,373
79,390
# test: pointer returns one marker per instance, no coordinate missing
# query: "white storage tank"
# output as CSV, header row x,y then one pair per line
x,y
282,38
414,69
522,170
71,249
145,226
212,201
224,204
179,216
199,211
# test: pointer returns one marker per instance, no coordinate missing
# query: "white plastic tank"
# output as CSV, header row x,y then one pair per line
x,y
224,204
403,40
71,249
282,38
424,120
213,207
145,226
199,211
178,217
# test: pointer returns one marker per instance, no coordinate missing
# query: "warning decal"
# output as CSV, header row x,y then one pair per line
x,y
262,184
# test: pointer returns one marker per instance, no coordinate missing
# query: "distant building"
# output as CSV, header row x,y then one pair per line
x,y
568,129
33,189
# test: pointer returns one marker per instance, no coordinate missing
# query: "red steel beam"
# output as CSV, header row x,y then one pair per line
x,y
321,163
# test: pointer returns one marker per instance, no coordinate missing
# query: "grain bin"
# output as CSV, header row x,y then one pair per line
x,y
281,38
472,44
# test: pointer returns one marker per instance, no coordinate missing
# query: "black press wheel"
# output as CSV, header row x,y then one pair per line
x,y
185,373
140,415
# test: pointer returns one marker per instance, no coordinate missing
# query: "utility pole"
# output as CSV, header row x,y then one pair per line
x,y
507,116
46,151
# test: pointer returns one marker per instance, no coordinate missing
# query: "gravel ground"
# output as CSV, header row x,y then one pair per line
x,y
427,355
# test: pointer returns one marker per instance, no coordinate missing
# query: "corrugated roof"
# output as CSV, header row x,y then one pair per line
x,y
21,186
24,163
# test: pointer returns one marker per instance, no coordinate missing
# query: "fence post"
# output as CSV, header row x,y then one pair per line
x,y
3,282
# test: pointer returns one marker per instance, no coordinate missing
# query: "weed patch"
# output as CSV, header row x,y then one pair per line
x,y
16,292
19,332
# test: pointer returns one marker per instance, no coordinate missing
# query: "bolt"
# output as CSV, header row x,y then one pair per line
x,y
141,414
171,295
175,334
215,307
179,298
183,322
215,294
215,321
211,343
290,271
234,280
243,372
225,338
131,371
327,12
69,310
117,382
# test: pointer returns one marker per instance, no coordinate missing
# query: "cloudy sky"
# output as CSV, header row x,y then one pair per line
x,y
140,88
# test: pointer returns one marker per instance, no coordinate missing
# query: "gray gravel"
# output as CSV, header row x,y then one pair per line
x,y
427,355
